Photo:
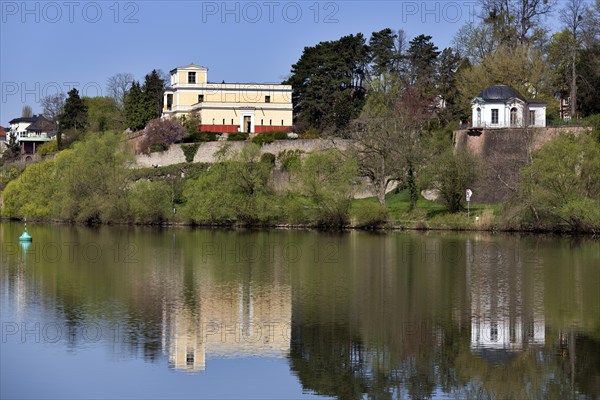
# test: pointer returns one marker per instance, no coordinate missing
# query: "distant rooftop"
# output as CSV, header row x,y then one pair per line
x,y
23,119
189,66
500,92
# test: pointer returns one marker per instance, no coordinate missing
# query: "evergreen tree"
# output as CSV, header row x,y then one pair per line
x,y
144,103
449,63
385,56
74,116
328,82
135,108
422,58
153,89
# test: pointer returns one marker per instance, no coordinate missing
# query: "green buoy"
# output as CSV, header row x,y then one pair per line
x,y
25,237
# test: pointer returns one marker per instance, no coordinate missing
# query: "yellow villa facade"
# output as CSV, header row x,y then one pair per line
x,y
228,107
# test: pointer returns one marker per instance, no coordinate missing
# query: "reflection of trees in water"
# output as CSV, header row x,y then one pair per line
x,y
381,320
333,360
404,329
328,360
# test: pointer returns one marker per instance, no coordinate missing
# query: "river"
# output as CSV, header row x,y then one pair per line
x,y
135,312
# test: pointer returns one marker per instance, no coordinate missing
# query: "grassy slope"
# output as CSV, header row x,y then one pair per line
x,y
429,214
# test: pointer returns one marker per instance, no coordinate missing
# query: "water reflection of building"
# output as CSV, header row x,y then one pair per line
x,y
506,301
228,323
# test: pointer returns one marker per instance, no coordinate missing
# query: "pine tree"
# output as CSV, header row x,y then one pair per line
x,y
327,83
134,107
153,89
73,117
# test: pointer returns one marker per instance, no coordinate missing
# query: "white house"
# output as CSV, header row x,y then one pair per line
x,y
501,106
30,133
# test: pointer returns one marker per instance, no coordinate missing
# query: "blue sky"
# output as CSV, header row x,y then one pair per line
x,y
45,46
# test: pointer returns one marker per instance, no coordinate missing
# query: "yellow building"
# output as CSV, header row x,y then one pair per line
x,y
228,107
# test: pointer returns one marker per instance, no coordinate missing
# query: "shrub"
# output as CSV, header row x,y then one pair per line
x,y
47,148
268,158
87,183
33,194
236,189
150,202
327,180
370,215
290,159
204,198
594,121
161,132
157,148
310,134
201,137
236,136
190,150
560,188
279,135
191,122
262,139
296,209
269,137
452,173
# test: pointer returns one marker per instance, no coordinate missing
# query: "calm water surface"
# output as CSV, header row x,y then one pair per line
x,y
182,313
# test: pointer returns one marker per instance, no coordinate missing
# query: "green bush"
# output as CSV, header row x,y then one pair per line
x,y
269,137
190,150
594,121
296,210
279,135
150,202
47,148
560,189
237,136
310,134
452,172
236,189
290,159
157,148
201,137
262,139
370,215
268,158
33,194
87,183
327,179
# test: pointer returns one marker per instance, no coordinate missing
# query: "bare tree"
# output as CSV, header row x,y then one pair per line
x,y
572,16
516,22
475,42
529,13
117,87
388,141
591,25
26,112
53,105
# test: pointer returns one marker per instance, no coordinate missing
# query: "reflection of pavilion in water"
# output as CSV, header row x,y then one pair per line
x,y
228,323
506,301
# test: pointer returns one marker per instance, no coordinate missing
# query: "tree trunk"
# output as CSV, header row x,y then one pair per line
x,y
412,187
380,188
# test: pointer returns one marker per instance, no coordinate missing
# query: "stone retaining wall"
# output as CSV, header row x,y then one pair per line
x,y
503,153
206,151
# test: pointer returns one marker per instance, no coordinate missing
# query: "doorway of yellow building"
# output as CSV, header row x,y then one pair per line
x,y
247,124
